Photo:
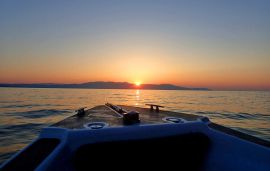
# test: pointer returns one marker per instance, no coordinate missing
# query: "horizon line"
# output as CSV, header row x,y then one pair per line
x,y
184,86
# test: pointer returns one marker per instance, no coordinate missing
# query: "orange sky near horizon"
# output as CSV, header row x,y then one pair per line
x,y
133,61
152,71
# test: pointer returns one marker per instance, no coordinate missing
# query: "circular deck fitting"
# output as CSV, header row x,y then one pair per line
x,y
173,120
96,125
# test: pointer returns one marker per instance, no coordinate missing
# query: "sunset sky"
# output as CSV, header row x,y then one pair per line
x,y
219,44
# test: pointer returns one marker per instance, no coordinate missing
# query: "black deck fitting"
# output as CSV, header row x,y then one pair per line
x,y
131,117
153,105
80,112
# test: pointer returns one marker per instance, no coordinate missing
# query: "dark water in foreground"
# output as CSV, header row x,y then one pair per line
x,y
24,112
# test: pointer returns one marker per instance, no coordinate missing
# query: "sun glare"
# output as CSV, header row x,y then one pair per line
x,y
137,83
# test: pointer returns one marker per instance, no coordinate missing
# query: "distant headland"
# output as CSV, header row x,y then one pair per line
x,y
103,85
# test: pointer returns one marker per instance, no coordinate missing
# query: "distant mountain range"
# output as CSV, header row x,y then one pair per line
x,y
103,85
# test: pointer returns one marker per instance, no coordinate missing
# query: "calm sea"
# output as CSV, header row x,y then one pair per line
x,y
25,111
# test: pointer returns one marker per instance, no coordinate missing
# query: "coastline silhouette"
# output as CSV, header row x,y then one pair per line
x,y
104,85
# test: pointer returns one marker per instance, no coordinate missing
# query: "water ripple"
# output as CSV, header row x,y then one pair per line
x,y
20,127
40,113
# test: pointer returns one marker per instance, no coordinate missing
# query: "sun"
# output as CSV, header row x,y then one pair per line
x,y
137,83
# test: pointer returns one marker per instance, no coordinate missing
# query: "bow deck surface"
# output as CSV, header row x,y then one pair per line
x,y
104,113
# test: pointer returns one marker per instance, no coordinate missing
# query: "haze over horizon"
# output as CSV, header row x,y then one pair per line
x,y
221,45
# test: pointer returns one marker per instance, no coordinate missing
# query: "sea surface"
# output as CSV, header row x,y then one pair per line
x,y
25,111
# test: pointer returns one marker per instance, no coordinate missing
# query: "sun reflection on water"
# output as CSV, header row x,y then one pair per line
x,y
137,95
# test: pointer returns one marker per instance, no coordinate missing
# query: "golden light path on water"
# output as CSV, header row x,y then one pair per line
x,y
24,112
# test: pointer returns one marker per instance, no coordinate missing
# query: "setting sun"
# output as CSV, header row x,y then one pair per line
x,y
137,83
